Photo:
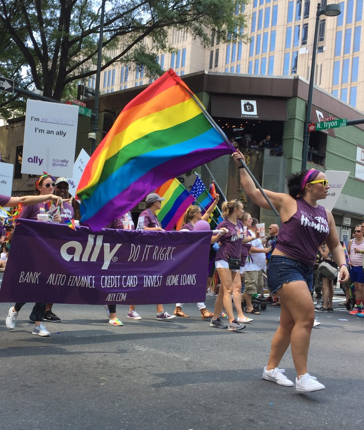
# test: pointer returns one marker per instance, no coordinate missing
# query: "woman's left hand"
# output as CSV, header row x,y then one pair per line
x,y
343,274
57,218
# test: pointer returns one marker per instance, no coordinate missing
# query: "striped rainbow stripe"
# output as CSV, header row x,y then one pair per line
x,y
159,135
177,200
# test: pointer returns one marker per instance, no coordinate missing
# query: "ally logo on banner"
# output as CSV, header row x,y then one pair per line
x,y
49,138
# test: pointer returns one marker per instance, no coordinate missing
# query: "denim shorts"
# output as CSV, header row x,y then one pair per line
x,y
356,274
283,270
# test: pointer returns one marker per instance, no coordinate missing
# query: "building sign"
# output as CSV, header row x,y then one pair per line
x,y
359,165
249,108
6,178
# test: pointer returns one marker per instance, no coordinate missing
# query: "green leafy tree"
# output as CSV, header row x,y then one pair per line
x,y
50,45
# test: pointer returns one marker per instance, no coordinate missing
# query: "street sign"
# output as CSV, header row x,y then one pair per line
x,y
6,85
336,123
82,110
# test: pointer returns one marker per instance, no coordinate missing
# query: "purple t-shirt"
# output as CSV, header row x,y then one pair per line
x,y
31,211
303,233
188,226
118,224
230,242
147,219
4,200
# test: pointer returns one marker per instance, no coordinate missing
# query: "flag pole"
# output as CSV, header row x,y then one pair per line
x,y
223,135
214,180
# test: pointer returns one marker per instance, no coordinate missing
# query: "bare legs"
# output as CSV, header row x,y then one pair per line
x,y
297,316
327,293
227,279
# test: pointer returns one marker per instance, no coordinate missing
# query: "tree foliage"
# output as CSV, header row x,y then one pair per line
x,y
50,45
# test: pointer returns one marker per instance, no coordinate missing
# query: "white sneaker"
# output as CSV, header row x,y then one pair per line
x,y
316,323
308,383
276,375
11,319
244,320
40,330
134,315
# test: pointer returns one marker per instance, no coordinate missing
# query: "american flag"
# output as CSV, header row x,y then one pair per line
x,y
198,188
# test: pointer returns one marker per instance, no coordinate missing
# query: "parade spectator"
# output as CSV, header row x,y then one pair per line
x,y
265,143
253,271
355,251
192,215
270,243
290,267
228,264
43,186
327,283
277,150
317,278
148,221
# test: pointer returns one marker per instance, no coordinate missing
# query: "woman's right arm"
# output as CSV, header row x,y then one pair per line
x,y
279,200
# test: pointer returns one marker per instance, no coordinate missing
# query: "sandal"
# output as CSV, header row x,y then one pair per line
x,y
254,312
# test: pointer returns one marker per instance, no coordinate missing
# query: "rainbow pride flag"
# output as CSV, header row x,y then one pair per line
x,y
160,134
177,200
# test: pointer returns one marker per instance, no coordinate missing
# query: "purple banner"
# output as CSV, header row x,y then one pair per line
x,y
54,264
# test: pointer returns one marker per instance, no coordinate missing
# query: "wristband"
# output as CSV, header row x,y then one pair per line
x,y
242,167
341,265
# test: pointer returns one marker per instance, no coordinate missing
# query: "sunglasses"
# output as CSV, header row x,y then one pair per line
x,y
62,188
324,182
49,185
357,231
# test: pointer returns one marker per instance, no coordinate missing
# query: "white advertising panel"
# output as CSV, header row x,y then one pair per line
x,y
6,178
78,169
337,180
49,138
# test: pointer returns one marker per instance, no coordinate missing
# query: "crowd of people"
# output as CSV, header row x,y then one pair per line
x,y
247,262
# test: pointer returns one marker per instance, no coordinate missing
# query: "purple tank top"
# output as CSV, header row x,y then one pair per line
x,y
303,233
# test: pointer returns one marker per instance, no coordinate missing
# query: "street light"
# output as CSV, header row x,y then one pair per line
x,y
329,10
95,111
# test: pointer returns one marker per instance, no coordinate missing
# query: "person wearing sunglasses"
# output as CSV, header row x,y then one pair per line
x,y
305,225
44,186
356,251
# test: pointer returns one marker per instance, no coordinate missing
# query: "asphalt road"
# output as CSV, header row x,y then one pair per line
x,y
179,375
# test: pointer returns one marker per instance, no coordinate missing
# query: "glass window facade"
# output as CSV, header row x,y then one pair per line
x,y
294,62
275,16
272,46
250,67
290,11
260,19
335,93
183,64
306,12
344,95
267,17
254,21
288,37
251,51
298,10
256,66
257,46
217,57
355,69
338,43
227,59
336,77
271,65
340,18
240,49
353,91
357,36
233,53
162,61
345,73
265,43
321,36
349,11
286,64
305,34
263,66
347,42
296,38
178,59
359,10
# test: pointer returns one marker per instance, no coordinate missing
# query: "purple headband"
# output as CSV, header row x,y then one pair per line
x,y
310,176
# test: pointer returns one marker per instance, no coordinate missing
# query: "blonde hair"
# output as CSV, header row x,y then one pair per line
x,y
228,207
190,213
246,216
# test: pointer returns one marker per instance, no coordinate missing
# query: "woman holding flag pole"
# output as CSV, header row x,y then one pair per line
x,y
305,225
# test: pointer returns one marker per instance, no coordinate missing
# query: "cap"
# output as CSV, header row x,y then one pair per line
x,y
153,197
59,180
